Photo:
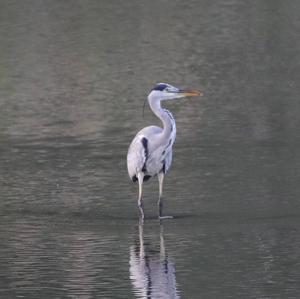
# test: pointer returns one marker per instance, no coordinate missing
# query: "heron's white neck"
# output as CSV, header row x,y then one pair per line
x,y
164,115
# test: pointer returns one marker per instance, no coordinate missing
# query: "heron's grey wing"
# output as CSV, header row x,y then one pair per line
x,y
168,160
136,156
140,149
159,160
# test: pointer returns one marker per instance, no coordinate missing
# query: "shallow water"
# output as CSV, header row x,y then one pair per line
x,y
73,79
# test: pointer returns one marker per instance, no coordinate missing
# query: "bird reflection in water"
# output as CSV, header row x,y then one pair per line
x,y
152,272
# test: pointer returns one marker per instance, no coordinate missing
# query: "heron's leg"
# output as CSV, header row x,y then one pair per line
x,y
140,200
161,176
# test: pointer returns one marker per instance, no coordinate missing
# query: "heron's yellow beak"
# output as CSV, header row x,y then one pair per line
x,y
191,93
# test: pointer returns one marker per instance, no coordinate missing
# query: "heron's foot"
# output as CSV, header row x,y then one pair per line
x,y
141,208
165,217
142,214
141,220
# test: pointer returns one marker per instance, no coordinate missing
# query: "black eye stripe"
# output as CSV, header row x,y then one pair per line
x,y
160,87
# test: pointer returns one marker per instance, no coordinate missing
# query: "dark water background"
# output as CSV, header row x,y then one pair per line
x,y
73,78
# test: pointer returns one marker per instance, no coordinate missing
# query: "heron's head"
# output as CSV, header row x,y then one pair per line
x,y
164,91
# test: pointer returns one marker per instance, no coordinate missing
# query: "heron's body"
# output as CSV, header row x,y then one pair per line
x,y
150,152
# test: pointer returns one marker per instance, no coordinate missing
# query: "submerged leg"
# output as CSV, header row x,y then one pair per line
x,y
161,177
140,200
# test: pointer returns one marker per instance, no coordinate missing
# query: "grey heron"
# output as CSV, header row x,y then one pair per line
x,y
150,152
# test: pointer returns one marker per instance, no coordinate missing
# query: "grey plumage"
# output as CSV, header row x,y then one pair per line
x,y
150,152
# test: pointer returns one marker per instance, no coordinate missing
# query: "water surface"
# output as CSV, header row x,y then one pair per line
x,y
73,79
